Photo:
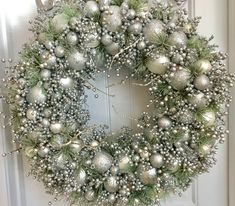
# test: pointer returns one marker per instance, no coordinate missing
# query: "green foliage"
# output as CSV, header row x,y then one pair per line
x,y
162,42
117,2
137,5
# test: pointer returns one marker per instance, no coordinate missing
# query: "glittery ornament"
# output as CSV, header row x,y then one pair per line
x,y
60,22
180,78
158,65
102,161
111,184
36,94
148,177
202,82
178,39
56,127
80,176
156,160
152,30
77,60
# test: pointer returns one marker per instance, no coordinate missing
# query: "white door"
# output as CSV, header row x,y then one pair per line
x,y
18,190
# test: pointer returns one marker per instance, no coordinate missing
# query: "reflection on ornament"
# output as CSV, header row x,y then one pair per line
x,y
36,94
111,184
202,82
164,122
158,65
90,195
72,38
203,66
80,177
91,8
148,177
209,117
66,82
156,160
56,127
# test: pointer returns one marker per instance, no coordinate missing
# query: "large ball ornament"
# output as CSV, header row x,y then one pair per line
x,y
60,22
208,117
113,48
90,195
36,94
59,51
158,65
180,78
102,161
164,122
31,114
67,82
148,177
157,160
60,160
77,60
56,127
42,152
152,30
124,164
80,176
178,39
76,146
111,184
106,39
113,18
72,38
198,100
203,66
91,8
135,28
45,74
202,82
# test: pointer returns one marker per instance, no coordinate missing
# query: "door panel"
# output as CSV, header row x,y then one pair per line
x,y
18,190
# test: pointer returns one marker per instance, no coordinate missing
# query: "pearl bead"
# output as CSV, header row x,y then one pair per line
x,y
202,82
158,65
141,45
152,30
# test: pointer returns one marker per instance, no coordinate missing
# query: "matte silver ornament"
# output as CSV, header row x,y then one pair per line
x,y
113,48
135,28
36,94
42,152
60,22
31,114
92,40
198,100
152,30
45,74
59,51
156,160
90,195
202,82
106,40
91,8
72,38
180,78
148,177
77,60
111,184
112,19
158,65
209,117
76,146
56,127
80,176
124,164
203,66
67,82
178,39
102,161
164,122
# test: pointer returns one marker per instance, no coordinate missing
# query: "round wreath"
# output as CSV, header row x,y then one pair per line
x,y
154,41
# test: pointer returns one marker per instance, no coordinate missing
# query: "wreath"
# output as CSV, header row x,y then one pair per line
x,y
154,42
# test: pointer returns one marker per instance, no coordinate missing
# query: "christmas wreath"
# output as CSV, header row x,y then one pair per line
x,y
154,42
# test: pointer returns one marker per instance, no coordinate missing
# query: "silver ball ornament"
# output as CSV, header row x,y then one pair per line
x,y
45,74
67,82
76,146
60,22
203,66
102,161
91,8
158,65
202,82
198,100
42,152
92,40
90,195
45,122
124,164
72,38
180,78
152,30
135,28
60,160
208,117
178,39
56,127
80,176
148,177
164,122
57,141
31,114
36,94
111,184
141,45
59,51
156,160
77,60
175,165
205,149
106,40
113,48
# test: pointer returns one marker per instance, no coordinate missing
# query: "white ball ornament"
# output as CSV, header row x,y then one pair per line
x,y
36,94
156,160
60,22
112,19
180,78
80,176
77,60
152,30
164,122
178,39
91,8
102,161
148,177
209,117
31,114
198,100
45,74
158,65
42,152
111,184
72,38
59,51
67,82
106,39
113,48
56,127
202,82
124,164
135,28
203,66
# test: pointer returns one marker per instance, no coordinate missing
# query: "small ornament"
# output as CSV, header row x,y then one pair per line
x,y
135,28
141,45
90,195
77,60
106,40
102,161
204,149
59,51
56,127
31,114
45,122
67,82
188,28
92,40
91,8
209,117
113,48
47,112
180,78
45,74
175,165
157,160
42,152
178,39
112,19
124,164
76,146
72,38
158,65
95,144
202,82
198,100
61,160
148,177
114,170
60,22
36,94
111,184
57,141
152,30
164,122
30,152
80,176
203,66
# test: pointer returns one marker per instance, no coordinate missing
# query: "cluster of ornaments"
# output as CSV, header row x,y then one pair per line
x,y
155,42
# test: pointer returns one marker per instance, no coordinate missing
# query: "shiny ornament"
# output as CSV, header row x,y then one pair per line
x,y
104,4
47,112
48,59
76,146
175,165
135,28
148,177
30,152
59,51
188,28
77,60
45,122
72,38
209,117
202,82
92,40
102,161
56,127
57,141
80,176
152,30
185,117
45,74
106,40
180,78
178,39
141,45
164,122
203,66
67,82
31,114
113,19
111,184
42,152
60,22
36,94
124,164
157,160
90,195
158,65
91,8
205,149
61,160
113,48
198,100
48,44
